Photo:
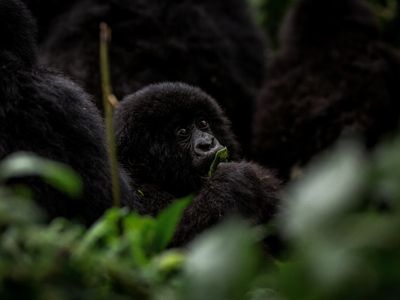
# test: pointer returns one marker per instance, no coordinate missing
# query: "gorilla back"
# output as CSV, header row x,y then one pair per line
x,y
332,76
43,113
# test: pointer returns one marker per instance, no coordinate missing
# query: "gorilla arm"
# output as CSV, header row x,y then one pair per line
x,y
237,187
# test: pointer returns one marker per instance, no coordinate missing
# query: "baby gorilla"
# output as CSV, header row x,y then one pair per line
x,y
168,135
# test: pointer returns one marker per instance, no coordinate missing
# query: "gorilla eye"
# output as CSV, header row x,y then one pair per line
x,y
182,132
203,124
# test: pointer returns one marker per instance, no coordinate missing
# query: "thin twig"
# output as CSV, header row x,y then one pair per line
x,y
109,101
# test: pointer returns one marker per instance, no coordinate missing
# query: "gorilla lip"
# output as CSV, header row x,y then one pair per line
x,y
203,163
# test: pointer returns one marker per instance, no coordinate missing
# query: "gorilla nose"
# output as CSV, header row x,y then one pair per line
x,y
207,146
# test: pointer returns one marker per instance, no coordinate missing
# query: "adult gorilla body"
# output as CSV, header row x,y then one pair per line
x,y
44,113
332,76
210,44
168,135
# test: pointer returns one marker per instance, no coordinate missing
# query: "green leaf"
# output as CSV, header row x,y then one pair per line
x,y
329,188
222,262
107,226
221,156
139,231
27,213
57,175
168,262
167,221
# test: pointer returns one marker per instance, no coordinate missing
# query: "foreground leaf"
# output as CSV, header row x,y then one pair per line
x,y
58,175
167,222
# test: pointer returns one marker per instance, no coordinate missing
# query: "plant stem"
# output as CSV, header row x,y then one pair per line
x,y
108,99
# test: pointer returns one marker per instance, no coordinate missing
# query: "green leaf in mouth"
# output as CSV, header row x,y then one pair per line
x,y
221,156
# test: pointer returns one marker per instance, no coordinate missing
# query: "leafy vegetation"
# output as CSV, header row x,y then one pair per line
x,y
340,221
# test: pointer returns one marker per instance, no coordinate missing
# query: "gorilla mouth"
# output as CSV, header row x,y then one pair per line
x,y
203,163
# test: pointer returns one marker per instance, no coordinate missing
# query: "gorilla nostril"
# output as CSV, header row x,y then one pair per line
x,y
204,146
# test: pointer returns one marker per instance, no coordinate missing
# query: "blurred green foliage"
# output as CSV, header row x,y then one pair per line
x,y
270,14
57,175
340,221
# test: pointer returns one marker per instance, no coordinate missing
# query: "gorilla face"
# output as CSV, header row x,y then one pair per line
x,y
168,135
198,140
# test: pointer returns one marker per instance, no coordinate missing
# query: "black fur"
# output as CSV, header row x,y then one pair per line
x,y
44,113
47,13
210,44
162,171
332,76
18,32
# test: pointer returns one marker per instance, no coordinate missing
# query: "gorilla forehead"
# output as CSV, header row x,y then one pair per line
x,y
158,104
